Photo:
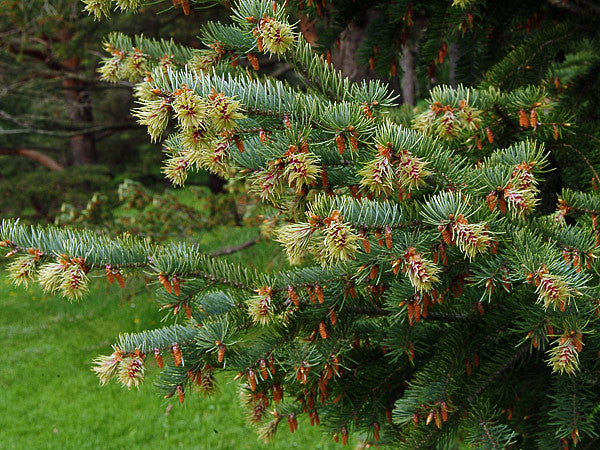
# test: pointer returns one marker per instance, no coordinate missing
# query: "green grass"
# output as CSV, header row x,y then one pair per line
x,y
49,398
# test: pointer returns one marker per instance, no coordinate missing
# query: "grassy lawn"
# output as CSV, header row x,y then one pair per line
x,y
49,398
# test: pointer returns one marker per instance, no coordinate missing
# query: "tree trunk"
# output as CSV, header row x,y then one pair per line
x,y
343,55
408,62
409,77
83,147
452,62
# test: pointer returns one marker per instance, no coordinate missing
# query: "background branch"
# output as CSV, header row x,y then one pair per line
x,y
34,155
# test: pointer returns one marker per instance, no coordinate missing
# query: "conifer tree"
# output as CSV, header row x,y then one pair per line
x,y
428,296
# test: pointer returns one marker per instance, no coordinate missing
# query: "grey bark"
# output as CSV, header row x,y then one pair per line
x,y
409,77
452,62
343,58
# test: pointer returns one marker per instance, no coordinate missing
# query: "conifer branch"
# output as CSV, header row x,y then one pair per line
x,y
65,134
150,340
34,155
586,159
400,234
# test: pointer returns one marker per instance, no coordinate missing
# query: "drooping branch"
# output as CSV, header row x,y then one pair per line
x,y
34,155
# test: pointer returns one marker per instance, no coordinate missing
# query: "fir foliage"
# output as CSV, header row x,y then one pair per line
x,y
432,298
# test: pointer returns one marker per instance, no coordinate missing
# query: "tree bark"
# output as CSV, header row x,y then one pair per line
x,y
408,62
409,77
83,147
343,56
453,62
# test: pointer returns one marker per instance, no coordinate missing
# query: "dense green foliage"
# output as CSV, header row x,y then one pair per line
x,y
440,288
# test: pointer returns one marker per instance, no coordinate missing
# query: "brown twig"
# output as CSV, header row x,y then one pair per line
x,y
236,248
587,161
34,155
